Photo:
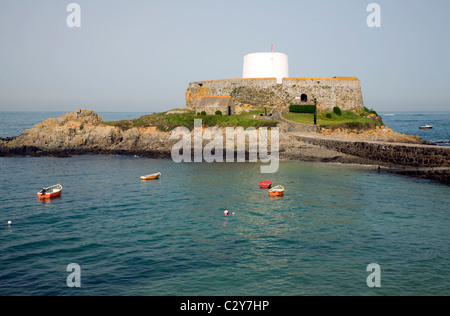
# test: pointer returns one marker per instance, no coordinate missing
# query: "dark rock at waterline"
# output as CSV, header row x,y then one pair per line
x,y
84,133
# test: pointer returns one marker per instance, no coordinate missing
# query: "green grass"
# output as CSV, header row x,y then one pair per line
x,y
250,114
348,119
167,122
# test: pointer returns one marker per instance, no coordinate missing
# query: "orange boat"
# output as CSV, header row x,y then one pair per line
x,y
50,192
153,176
277,191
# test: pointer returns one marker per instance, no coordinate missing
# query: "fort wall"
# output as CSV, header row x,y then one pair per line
x,y
344,92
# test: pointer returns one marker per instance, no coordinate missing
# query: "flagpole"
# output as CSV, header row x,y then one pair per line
x,y
273,70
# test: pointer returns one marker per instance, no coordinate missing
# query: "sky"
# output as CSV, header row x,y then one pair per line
x,y
140,55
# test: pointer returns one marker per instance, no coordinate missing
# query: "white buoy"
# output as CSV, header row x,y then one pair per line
x,y
9,223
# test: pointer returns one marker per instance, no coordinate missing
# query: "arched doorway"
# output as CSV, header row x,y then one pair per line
x,y
304,98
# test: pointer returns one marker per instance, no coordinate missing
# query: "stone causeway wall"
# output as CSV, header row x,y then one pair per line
x,y
388,154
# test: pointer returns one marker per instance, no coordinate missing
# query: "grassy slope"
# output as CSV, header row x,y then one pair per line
x,y
167,122
348,119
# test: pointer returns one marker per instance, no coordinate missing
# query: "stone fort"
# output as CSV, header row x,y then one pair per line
x,y
266,82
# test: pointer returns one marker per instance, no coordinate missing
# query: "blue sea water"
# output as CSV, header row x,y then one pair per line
x,y
409,123
170,236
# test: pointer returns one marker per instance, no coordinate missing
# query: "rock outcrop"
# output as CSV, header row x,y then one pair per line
x,y
84,132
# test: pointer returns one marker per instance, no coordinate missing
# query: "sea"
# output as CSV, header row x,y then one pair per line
x,y
409,123
170,237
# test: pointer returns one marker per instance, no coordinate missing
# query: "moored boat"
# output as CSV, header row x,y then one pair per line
x,y
277,191
265,184
50,192
152,176
426,126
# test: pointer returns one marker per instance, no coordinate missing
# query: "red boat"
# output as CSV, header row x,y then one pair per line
x,y
265,184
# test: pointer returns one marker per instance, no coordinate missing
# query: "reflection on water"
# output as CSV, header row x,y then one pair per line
x,y
48,201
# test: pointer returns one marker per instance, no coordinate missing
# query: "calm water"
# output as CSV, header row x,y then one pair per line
x,y
409,122
170,237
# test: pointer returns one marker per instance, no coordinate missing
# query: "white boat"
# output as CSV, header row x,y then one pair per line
x,y
426,126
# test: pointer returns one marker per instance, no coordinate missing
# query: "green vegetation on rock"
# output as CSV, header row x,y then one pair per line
x,y
337,110
302,108
353,119
167,122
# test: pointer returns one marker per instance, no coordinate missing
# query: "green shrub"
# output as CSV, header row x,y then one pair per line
x,y
203,113
371,111
302,108
337,110
328,115
218,112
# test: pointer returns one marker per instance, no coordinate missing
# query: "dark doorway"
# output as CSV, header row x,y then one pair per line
x,y
304,98
229,110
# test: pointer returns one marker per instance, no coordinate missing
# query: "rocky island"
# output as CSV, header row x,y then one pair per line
x,y
84,132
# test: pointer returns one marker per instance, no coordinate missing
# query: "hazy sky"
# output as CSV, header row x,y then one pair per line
x,y
141,55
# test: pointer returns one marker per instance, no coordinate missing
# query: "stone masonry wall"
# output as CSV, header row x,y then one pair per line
x,y
344,92
390,154
211,104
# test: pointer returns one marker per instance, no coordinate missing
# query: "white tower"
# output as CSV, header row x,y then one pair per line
x,y
266,65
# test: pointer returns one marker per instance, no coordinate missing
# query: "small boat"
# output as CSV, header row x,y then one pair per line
x,y
277,191
50,192
265,184
426,126
152,176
